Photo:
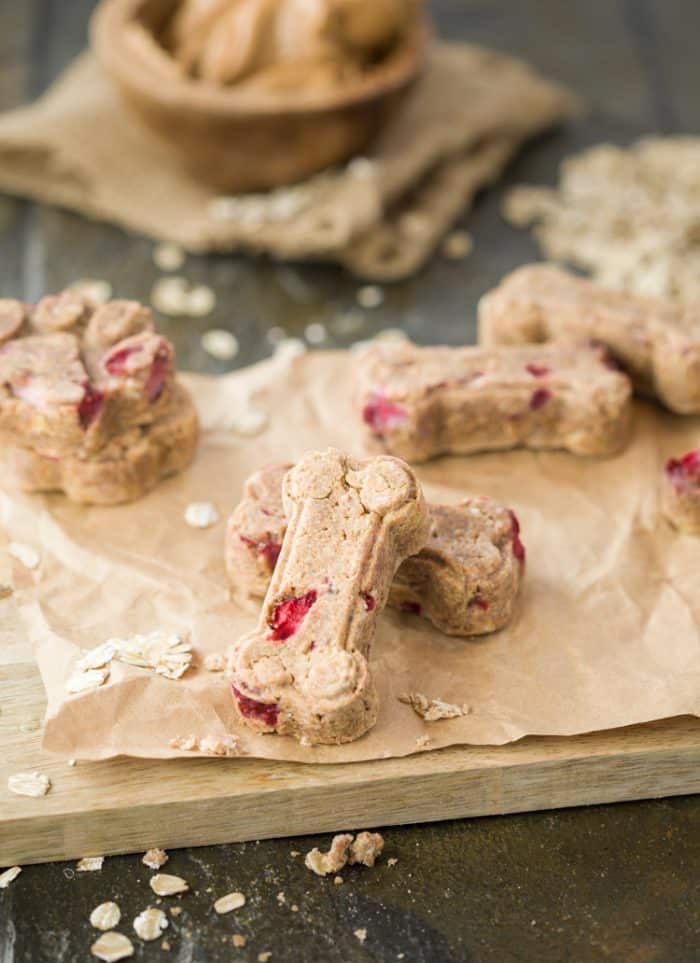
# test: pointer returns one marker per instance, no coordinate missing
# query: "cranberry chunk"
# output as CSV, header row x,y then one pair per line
x,y
381,414
539,398
267,550
479,602
287,616
412,608
518,547
537,370
266,712
369,600
686,468
90,406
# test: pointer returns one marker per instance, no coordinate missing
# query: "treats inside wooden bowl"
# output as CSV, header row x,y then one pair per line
x,y
255,94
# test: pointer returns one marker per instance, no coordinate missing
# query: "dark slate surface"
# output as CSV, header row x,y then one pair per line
x,y
613,883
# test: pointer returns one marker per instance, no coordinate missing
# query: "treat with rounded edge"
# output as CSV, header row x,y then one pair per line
x,y
89,404
465,580
680,492
74,375
126,468
304,671
421,402
656,342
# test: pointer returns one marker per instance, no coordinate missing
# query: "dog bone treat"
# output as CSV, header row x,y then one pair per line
x,y
304,671
657,342
465,580
74,375
421,402
126,468
680,492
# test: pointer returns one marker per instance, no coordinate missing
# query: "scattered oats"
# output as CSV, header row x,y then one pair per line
x,y
232,901
163,884
627,215
422,742
168,257
112,947
387,334
275,335
294,908
201,514
361,935
281,898
323,864
226,745
5,591
370,296
165,945
366,848
400,956
338,880
98,291
175,910
457,245
149,924
170,296
155,858
105,916
96,658
90,864
83,681
431,709
264,957
187,743
24,554
201,301
29,784
220,344
294,853
166,653
362,168
249,421
214,662
222,208
72,762
238,940
392,861
9,875
289,348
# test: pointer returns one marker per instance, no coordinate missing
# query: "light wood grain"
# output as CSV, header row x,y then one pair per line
x,y
127,805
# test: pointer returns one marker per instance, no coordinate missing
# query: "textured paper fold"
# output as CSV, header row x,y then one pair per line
x,y
79,147
606,632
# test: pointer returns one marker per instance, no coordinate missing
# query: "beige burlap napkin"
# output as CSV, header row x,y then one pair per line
x,y
381,216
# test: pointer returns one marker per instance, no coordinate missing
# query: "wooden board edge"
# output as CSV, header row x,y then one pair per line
x,y
407,798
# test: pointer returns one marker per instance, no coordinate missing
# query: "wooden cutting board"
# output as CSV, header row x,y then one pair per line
x,y
130,805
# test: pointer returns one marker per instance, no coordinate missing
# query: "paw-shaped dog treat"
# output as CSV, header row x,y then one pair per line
x,y
465,580
421,402
80,385
656,342
304,671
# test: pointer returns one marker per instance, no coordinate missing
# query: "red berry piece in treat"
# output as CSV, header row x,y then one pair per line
x,y
369,600
479,602
685,469
268,550
538,370
411,608
518,547
381,414
90,406
287,616
539,398
265,712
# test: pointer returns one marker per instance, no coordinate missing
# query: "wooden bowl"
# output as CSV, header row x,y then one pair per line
x,y
243,140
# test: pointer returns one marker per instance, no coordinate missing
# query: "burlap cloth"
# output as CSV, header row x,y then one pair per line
x,y
78,147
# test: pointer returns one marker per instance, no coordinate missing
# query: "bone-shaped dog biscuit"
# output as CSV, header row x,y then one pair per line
x,y
656,342
465,580
304,671
421,402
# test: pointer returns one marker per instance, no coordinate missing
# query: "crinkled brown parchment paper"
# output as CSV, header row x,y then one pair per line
x,y
605,635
